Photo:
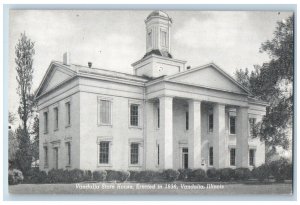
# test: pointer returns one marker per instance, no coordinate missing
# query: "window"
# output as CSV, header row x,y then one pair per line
x,y
105,112
187,120
158,154
45,122
210,122
232,157
104,153
134,115
134,153
163,38
56,157
185,158
68,145
68,114
158,116
150,39
252,122
232,124
251,157
211,156
55,118
45,157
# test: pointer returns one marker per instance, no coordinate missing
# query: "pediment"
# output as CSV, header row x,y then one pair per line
x,y
55,76
209,76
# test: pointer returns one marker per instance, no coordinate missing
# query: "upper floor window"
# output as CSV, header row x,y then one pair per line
x,y
210,122
232,157
252,122
55,118
186,120
46,122
68,114
104,112
232,122
163,38
134,115
134,153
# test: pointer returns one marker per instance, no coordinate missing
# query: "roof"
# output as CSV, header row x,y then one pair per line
x,y
158,13
158,53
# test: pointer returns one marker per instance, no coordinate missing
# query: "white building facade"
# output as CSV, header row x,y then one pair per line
x,y
165,115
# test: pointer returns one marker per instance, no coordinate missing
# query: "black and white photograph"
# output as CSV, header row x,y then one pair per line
x,y
151,102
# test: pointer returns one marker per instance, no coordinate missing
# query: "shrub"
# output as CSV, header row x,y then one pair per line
x,y
113,175
147,176
57,176
76,175
170,175
99,175
15,176
134,176
242,174
279,169
261,173
289,171
226,174
87,176
36,176
198,175
185,174
213,173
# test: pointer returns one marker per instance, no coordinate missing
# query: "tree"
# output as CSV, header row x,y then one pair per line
x,y
272,82
35,134
12,139
24,51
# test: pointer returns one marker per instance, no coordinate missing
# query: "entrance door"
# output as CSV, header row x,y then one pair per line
x,y
185,158
56,157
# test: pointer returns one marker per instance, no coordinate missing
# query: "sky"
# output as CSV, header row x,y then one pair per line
x,y
115,39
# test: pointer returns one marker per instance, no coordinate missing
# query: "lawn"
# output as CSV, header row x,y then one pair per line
x,y
185,188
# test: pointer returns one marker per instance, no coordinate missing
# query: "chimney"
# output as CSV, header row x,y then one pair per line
x,y
66,58
188,67
90,64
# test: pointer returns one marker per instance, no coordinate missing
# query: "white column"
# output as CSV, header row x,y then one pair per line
x,y
242,137
219,141
194,140
166,131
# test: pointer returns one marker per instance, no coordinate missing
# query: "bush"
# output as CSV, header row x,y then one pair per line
x,y
147,176
170,175
242,174
185,174
213,173
87,175
134,176
280,169
261,173
198,175
113,175
76,175
57,176
226,174
15,176
36,176
289,172
99,175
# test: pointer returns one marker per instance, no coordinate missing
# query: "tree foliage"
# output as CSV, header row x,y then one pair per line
x,y
24,51
272,82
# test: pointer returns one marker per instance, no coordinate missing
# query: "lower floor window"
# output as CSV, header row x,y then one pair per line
x,y
104,153
232,157
68,145
211,156
251,157
45,156
134,153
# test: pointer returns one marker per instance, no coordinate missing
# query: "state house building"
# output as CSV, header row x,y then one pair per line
x,y
165,115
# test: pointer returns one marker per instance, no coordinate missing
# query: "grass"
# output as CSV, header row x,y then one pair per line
x,y
155,188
